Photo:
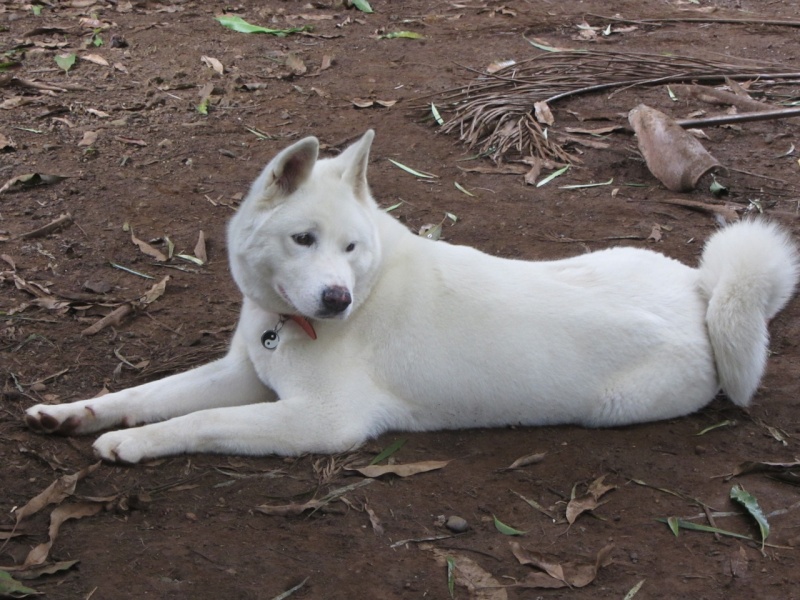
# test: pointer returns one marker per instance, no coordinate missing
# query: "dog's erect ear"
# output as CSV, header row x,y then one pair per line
x,y
288,170
354,162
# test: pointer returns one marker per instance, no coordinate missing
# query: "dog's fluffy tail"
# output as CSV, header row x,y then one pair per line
x,y
748,272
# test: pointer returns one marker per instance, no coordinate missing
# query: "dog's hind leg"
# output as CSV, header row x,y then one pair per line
x,y
230,381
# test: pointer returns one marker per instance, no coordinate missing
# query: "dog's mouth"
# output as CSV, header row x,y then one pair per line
x,y
335,304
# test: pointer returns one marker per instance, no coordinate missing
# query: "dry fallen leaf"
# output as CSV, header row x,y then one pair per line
x,y
200,248
155,292
96,59
573,573
467,573
405,470
89,138
39,554
543,113
524,461
296,64
148,249
588,501
56,492
213,63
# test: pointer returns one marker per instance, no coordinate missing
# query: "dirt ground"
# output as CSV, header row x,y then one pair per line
x,y
134,149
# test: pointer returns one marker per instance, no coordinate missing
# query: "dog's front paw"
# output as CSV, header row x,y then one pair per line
x,y
64,418
126,446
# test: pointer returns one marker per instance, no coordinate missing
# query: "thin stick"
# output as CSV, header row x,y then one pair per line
x,y
724,20
766,115
112,318
60,222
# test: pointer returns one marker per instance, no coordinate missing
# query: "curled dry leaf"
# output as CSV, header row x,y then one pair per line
x,y
39,554
314,504
556,574
524,461
89,138
543,113
588,501
61,488
377,526
296,64
405,470
148,249
213,63
200,247
467,573
96,59
366,103
155,292
30,180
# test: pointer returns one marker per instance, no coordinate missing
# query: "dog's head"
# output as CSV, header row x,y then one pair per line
x,y
304,240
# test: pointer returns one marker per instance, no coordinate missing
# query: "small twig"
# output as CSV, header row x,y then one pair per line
x,y
62,221
111,318
783,113
723,20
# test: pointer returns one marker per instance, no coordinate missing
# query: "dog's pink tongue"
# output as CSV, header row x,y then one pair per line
x,y
305,325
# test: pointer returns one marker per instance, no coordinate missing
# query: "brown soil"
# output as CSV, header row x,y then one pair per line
x,y
187,527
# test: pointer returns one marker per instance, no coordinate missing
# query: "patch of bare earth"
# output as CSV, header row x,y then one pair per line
x,y
137,157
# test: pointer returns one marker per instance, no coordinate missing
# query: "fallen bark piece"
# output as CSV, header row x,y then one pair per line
x,y
675,157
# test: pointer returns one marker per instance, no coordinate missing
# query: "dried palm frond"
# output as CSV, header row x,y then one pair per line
x,y
494,113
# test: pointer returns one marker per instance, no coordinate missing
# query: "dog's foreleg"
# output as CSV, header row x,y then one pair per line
x,y
230,381
288,427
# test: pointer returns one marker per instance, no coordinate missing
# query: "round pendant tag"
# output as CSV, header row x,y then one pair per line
x,y
270,339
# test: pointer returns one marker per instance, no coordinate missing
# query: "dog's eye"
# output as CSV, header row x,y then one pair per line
x,y
304,239
350,247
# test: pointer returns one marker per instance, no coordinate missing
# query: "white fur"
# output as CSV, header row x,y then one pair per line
x,y
442,336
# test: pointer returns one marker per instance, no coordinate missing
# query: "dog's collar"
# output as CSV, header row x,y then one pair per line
x,y
270,338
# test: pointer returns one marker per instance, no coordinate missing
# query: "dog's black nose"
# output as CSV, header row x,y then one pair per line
x,y
336,299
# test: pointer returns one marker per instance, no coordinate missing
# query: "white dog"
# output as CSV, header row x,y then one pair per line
x,y
358,326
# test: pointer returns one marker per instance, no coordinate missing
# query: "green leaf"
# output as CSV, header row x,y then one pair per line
x,y
676,523
672,95
97,41
436,115
65,61
540,45
394,206
749,501
586,185
634,590
451,575
362,5
291,591
505,529
419,174
717,189
725,423
131,271
388,451
239,25
36,10
11,588
552,176
9,64
409,35
461,188
202,108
